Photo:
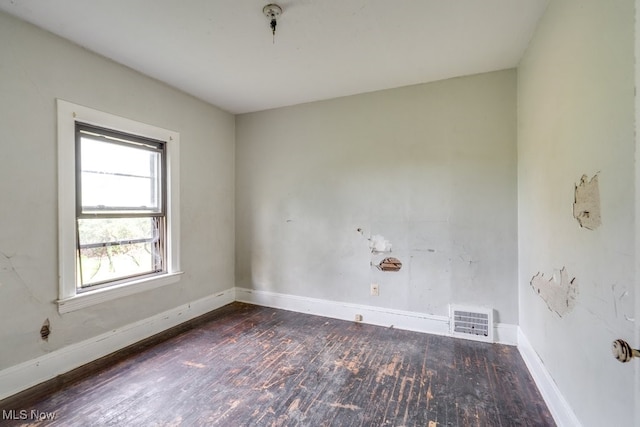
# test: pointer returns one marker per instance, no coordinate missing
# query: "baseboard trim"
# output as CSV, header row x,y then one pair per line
x,y
558,406
407,320
25,375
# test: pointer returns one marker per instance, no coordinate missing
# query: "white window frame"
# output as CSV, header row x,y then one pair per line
x,y
69,298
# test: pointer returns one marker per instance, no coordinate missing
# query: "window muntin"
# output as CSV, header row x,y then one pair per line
x,y
120,207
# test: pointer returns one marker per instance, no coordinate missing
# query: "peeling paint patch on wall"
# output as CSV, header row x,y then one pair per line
x,y
378,243
560,295
586,205
390,264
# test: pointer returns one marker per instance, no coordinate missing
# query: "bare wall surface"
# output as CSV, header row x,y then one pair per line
x,y
637,204
576,118
36,68
425,174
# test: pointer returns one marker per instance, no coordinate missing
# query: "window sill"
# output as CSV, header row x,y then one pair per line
x,y
89,298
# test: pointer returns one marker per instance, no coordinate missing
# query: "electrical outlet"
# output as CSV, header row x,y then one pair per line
x,y
375,290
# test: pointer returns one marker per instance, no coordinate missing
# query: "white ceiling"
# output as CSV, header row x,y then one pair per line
x,y
222,51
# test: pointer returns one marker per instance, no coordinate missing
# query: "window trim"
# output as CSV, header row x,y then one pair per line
x,y
69,298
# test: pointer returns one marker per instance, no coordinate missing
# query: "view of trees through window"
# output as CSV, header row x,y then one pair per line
x,y
112,248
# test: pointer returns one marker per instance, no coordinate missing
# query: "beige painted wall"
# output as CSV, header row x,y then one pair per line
x,y
431,168
36,68
575,117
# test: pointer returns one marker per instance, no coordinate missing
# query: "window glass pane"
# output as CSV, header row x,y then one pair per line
x,y
116,248
119,178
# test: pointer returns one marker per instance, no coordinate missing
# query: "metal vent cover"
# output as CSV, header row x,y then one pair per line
x,y
472,323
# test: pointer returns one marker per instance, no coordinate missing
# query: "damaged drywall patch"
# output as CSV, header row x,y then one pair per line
x,y
378,243
45,330
560,295
390,264
586,204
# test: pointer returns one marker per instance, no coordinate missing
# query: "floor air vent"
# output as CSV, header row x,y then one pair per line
x,y
471,323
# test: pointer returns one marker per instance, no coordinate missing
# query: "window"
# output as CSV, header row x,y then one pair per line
x,y
120,194
118,206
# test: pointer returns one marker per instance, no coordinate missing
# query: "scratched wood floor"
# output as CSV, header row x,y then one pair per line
x,y
256,366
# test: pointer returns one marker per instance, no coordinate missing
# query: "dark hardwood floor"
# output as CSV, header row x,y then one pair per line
x,y
256,366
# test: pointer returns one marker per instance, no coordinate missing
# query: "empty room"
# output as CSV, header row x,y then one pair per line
x,y
319,213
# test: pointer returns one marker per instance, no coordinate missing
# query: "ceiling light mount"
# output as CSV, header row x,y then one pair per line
x,y
273,12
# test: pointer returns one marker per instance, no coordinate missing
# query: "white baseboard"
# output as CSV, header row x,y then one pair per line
x,y
558,406
407,320
28,374
345,311
20,377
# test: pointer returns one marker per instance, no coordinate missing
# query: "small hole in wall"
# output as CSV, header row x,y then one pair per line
x,y
390,264
45,330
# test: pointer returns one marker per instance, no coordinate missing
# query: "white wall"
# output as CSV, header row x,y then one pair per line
x,y
36,68
575,117
432,168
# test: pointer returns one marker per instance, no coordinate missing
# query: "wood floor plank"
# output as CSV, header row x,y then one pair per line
x,y
255,366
